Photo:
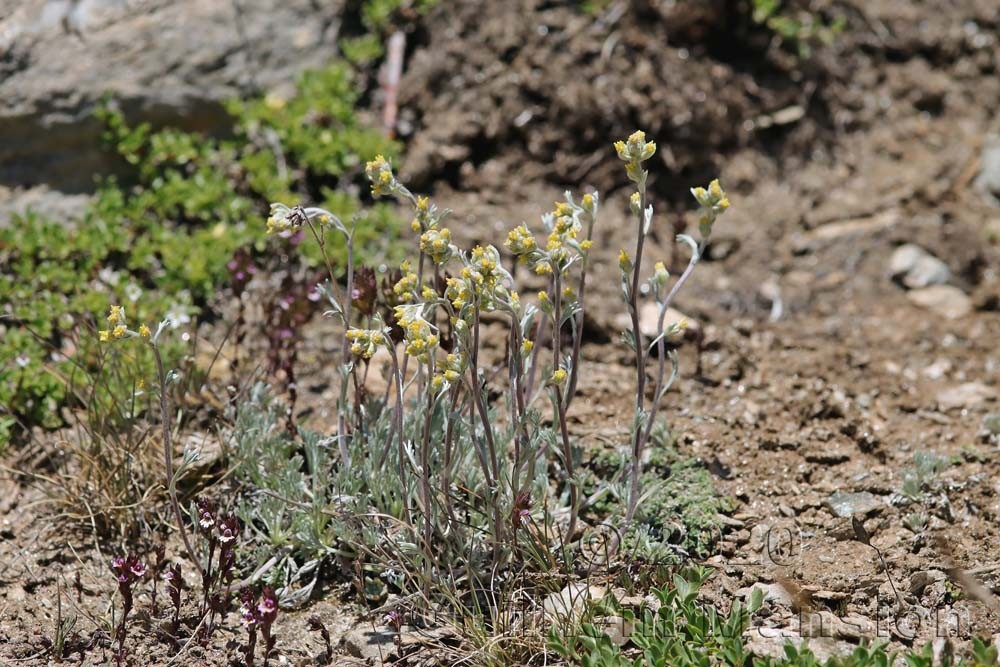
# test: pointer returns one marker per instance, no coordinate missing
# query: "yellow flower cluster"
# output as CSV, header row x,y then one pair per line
x,y
118,326
379,173
624,261
405,288
425,218
660,277
633,152
437,245
282,219
558,377
635,203
714,202
520,241
485,265
420,338
364,342
565,230
451,371
459,290
544,302
481,277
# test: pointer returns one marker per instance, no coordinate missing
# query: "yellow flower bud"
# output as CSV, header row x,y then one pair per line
x,y
624,261
116,314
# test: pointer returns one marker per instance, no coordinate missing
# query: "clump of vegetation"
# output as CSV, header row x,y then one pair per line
x,y
378,18
922,479
797,29
683,631
680,516
430,482
161,242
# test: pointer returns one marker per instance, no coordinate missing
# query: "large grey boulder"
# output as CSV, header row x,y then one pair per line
x,y
166,61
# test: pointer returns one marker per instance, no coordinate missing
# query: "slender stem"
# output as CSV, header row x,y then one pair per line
x,y
578,332
346,306
399,429
640,364
425,484
481,403
561,408
345,455
449,435
634,301
517,403
168,458
494,478
661,343
534,356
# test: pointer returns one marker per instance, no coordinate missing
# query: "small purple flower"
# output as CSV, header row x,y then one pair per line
x,y
266,606
206,515
137,569
128,569
228,529
520,514
267,609
394,620
248,617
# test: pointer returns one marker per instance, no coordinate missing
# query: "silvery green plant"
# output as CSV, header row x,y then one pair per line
x,y
435,479
713,202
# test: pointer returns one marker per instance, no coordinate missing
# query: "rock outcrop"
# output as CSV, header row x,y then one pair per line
x,y
165,61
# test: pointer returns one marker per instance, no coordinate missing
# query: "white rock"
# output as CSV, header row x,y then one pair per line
x,y
649,313
947,301
916,268
965,395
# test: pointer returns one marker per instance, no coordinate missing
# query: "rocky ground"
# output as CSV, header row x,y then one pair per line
x,y
849,310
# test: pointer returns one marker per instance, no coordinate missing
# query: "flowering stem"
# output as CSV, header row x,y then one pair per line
x,y
661,343
168,458
449,435
561,408
425,483
640,365
517,402
578,331
397,375
345,455
491,479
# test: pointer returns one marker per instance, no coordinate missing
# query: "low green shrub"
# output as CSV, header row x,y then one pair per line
x,y
680,630
160,240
